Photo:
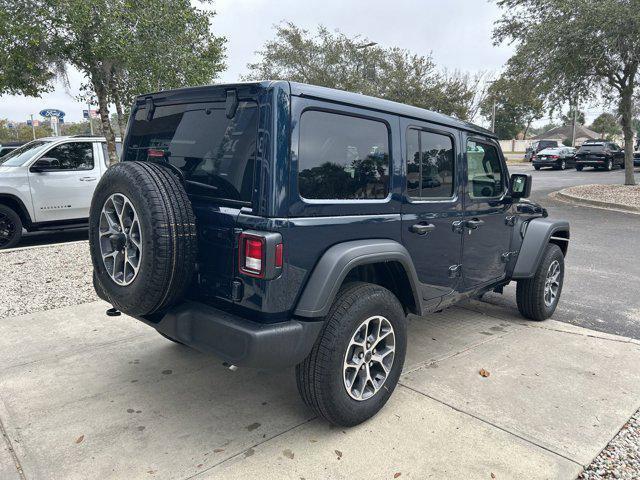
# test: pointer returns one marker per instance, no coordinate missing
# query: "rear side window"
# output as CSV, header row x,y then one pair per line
x,y
70,156
430,165
342,157
485,178
216,154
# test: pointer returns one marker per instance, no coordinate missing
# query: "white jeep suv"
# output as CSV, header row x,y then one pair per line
x,y
48,183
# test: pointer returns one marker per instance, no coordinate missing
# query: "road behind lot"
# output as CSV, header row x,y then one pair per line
x,y
603,265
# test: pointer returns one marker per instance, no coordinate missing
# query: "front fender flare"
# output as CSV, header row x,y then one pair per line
x,y
329,273
537,235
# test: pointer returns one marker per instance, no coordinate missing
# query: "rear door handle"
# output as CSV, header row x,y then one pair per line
x,y
87,179
421,228
474,223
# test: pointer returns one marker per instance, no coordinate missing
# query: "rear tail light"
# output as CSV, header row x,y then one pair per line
x,y
554,157
260,256
252,255
155,153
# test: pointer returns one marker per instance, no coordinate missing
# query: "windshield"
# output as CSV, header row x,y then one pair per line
x,y
23,154
215,154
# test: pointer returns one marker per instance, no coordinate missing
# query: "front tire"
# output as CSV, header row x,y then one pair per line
x,y
609,165
538,297
358,357
536,167
10,227
579,168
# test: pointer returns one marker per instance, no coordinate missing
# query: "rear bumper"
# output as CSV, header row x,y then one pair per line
x,y
237,340
547,163
591,162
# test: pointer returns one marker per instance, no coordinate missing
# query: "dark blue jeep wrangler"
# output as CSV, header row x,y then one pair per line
x,y
276,224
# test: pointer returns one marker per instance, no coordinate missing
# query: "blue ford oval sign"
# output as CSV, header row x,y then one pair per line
x,y
52,112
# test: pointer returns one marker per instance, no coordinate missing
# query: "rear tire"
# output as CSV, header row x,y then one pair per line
x,y
538,297
609,165
150,206
10,227
334,380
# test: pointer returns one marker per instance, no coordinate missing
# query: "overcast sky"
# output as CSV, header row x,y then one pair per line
x,y
456,32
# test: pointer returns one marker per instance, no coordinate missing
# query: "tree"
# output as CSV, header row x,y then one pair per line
x,y
576,50
123,48
607,125
567,119
356,64
518,103
21,132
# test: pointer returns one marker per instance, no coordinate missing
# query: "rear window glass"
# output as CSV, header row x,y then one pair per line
x,y
592,147
342,157
216,154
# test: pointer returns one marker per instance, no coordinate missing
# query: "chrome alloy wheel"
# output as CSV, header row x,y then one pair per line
x,y
552,283
369,358
120,239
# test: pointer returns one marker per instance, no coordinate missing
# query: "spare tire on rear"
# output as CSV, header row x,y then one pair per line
x,y
142,236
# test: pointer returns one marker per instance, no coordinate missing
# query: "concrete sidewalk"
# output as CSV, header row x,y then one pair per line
x,y
87,396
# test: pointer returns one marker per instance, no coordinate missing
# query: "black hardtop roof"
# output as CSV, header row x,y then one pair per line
x,y
328,94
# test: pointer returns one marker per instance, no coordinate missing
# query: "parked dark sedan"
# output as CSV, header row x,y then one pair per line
x,y
557,158
636,159
606,155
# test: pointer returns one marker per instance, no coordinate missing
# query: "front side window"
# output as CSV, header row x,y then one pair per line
x,y
342,157
485,178
70,156
430,165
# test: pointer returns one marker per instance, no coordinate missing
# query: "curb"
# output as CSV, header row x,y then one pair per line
x,y
594,203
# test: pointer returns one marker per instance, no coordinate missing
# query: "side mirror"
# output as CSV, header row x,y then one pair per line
x,y
520,185
45,164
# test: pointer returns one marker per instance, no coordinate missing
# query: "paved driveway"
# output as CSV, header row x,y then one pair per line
x,y
603,264
88,396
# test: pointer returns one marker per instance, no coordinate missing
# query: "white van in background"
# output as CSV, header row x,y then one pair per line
x,y
47,184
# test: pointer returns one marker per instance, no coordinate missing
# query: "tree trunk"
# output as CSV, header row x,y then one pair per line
x,y
103,105
626,108
122,125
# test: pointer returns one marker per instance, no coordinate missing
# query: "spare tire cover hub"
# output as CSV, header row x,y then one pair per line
x,y
120,239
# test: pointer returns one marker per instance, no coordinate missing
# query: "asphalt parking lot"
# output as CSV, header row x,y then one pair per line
x,y
87,396
603,264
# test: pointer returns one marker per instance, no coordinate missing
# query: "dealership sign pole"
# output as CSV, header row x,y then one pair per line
x,y
55,116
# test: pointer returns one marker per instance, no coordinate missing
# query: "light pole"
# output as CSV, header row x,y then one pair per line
x,y
33,127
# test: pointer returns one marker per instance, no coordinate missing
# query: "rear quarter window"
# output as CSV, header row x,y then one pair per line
x,y
342,157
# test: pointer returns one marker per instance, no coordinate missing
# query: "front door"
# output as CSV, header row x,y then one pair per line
x,y
64,191
486,231
431,204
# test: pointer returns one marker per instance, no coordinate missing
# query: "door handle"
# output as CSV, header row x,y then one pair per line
x,y
87,179
421,228
474,223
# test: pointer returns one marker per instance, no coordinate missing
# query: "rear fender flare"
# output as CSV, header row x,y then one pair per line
x,y
327,277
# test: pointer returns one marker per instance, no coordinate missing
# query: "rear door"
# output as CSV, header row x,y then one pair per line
x,y
431,204
487,234
216,156
64,191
